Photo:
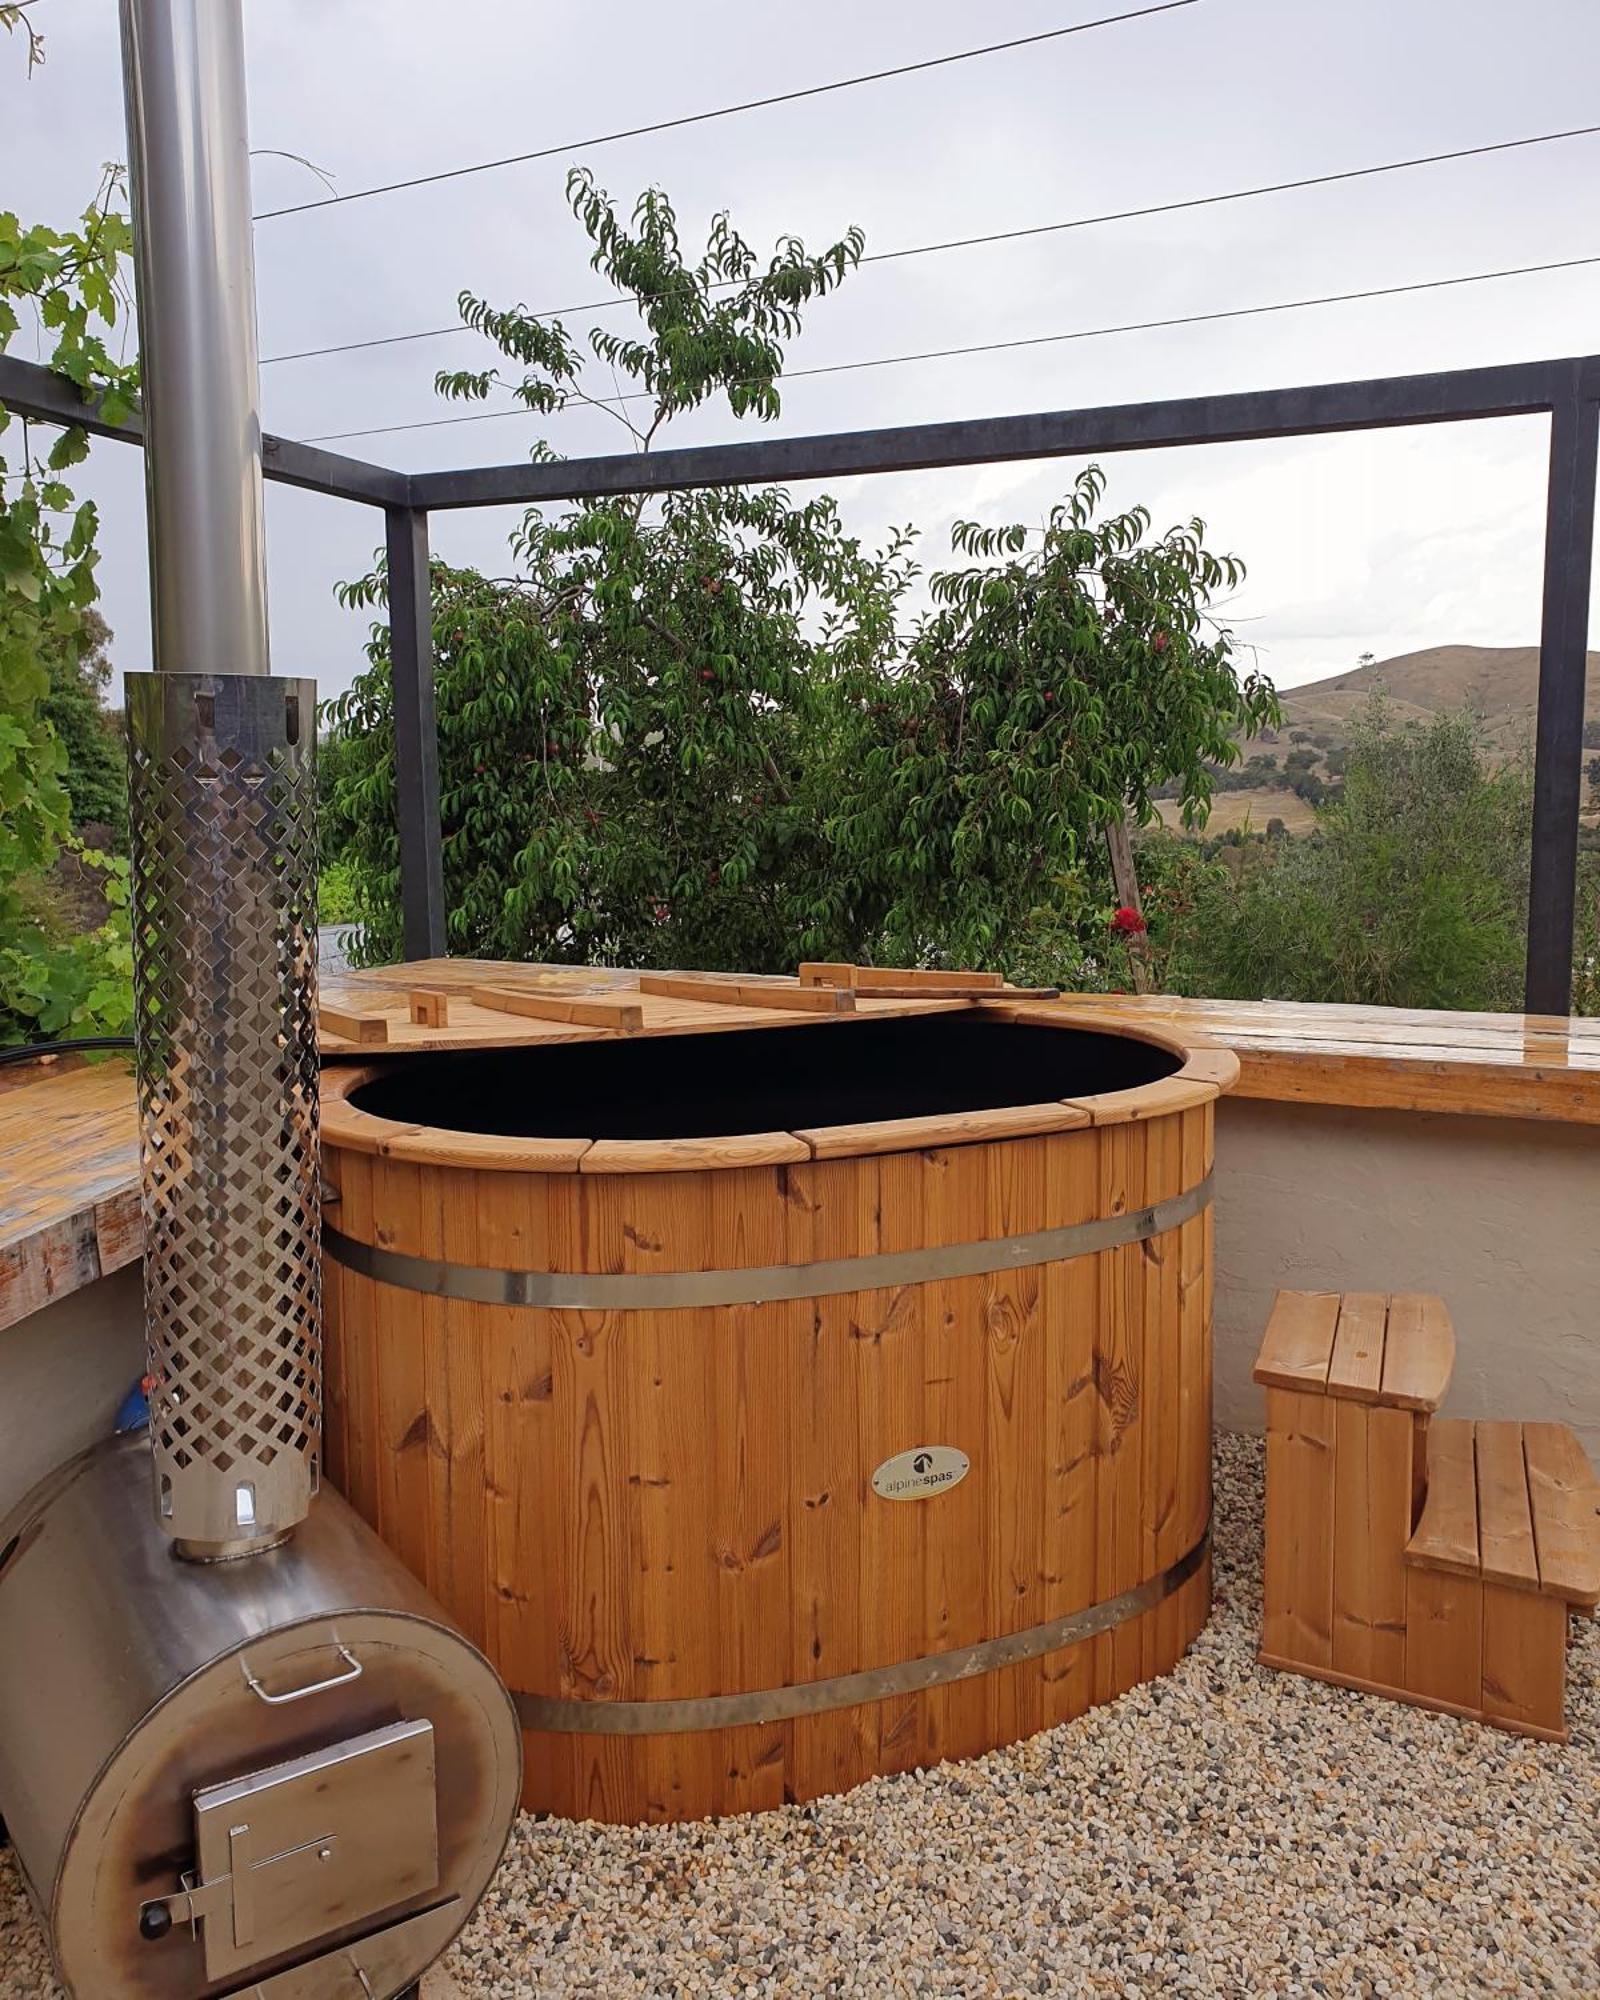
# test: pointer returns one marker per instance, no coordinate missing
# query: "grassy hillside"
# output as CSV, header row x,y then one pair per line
x,y
1249,811
1497,684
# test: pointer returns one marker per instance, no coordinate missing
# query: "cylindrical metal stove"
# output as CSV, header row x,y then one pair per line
x,y
241,1749
285,1777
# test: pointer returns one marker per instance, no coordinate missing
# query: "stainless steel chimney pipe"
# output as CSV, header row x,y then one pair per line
x,y
223,818
189,167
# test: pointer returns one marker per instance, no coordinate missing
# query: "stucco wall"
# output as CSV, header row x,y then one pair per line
x,y
1500,1217
63,1374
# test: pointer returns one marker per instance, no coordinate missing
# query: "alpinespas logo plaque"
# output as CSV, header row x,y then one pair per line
x,y
921,1473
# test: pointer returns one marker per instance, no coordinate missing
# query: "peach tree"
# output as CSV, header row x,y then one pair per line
x,y
1060,680
631,727
702,730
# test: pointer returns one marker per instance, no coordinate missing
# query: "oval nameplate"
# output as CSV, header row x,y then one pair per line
x,y
920,1473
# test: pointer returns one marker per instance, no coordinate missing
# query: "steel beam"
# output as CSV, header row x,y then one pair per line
x,y
1523,389
1563,669
28,390
316,471
416,736
1567,389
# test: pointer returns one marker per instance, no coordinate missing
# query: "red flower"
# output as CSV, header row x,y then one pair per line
x,y
1161,642
1128,921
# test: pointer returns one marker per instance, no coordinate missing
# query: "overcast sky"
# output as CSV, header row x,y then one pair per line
x,y
1380,543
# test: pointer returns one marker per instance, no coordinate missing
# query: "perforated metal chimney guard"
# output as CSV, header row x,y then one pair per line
x,y
222,789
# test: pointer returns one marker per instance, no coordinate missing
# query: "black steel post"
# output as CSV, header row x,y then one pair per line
x,y
416,735
1563,667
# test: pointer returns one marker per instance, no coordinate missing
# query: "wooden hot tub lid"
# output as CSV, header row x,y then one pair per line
x,y
433,1004
464,1003
1205,1073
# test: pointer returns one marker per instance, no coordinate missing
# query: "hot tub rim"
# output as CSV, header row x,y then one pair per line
x,y
1208,1070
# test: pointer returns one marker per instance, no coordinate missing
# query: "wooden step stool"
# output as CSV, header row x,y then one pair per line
x,y
1508,1544
1428,1560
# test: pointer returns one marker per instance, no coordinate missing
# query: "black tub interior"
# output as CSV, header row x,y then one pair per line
x,y
759,1079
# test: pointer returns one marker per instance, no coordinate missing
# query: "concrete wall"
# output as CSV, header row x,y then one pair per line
x,y
63,1374
1499,1216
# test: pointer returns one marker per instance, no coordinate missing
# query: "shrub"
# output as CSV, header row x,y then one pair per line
x,y
56,980
50,980
336,894
1413,891
95,763
1586,938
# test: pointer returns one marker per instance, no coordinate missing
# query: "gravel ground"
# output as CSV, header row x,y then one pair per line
x,y
1225,1831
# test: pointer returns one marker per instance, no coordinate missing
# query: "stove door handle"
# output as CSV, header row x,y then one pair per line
x,y
352,1673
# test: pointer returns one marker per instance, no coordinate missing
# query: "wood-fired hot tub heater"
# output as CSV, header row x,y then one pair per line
x,y
241,1750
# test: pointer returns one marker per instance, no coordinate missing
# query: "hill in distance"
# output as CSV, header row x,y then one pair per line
x,y
1499,685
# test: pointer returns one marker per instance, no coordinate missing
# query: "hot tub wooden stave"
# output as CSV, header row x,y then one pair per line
x,y
646,1511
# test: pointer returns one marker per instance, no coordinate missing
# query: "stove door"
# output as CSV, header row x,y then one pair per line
x,y
327,1840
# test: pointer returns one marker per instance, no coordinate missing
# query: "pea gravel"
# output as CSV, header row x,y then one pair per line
x,y
1224,1831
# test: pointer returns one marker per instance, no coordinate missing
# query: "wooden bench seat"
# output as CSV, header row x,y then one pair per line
x,y
1507,1544
1565,1497
1514,1503
1429,1559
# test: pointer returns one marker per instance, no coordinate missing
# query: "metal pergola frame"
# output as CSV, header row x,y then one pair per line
x,y
1567,391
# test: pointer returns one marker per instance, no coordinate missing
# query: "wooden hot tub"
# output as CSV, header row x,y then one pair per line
x,y
783,1405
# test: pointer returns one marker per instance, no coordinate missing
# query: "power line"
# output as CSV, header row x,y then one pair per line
x,y
1003,235
1004,346
725,111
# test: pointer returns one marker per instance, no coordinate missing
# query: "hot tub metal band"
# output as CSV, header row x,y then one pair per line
x,y
758,1284
731,1711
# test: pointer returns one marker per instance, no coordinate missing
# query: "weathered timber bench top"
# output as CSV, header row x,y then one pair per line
x,y
69,1182
69,1155
1386,1058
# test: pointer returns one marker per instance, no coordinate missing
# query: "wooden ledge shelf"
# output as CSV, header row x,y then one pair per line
x,y
69,1184
1383,1058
